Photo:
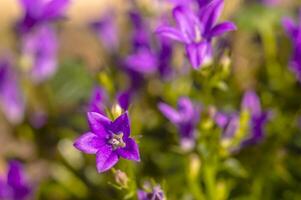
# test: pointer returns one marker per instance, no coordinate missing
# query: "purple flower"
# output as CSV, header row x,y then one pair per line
x,y
107,32
196,31
230,123
11,99
40,53
271,2
251,104
109,140
294,32
38,12
15,187
148,57
185,118
155,194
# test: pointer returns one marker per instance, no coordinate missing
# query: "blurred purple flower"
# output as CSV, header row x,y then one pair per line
x,y
107,31
271,2
185,118
38,12
156,194
251,104
294,32
109,140
11,99
230,122
40,53
196,31
147,57
15,187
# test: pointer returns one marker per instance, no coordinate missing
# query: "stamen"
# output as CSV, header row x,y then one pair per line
x,y
116,141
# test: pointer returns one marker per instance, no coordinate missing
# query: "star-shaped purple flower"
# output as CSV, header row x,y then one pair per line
x,y
185,118
38,12
15,187
196,30
294,32
40,53
109,140
11,99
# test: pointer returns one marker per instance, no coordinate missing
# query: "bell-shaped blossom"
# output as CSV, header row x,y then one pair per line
x,y
39,53
230,122
185,117
155,194
109,140
11,99
38,12
107,31
15,186
293,30
147,57
196,30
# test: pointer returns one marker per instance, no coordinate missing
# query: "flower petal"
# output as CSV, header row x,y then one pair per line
x,y
131,150
211,13
124,99
89,143
169,113
290,27
188,23
98,124
106,158
121,124
222,28
170,32
198,53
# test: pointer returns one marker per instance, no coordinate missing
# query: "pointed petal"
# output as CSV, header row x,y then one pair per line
x,y
170,32
98,124
222,28
197,53
131,150
169,113
124,99
187,22
211,13
121,124
106,158
89,143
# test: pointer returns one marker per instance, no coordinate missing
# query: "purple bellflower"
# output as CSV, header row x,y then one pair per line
x,y
155,194
294,32
40,53
196,31
107,31
109,140
257,120
15,187
185,118
147,57
38,12
11,99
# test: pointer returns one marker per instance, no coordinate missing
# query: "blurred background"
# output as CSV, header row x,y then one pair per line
x,y
255,57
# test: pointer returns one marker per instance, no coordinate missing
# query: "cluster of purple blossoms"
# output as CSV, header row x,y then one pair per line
x,y
197,29
294,32
11,99
109,140
257,120
185,118
15,185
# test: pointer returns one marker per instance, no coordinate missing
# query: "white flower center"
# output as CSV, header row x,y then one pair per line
x,y
116,141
